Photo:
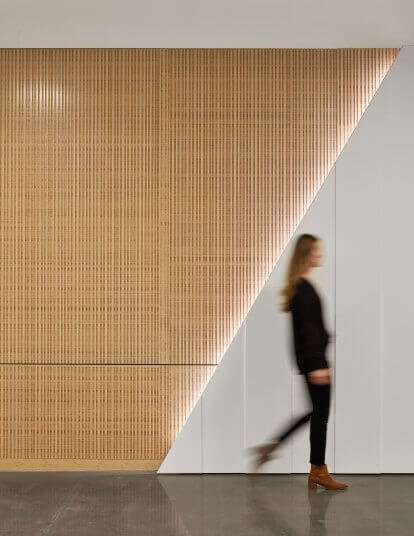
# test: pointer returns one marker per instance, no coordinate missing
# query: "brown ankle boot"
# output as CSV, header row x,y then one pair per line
x,y
263,454
319,475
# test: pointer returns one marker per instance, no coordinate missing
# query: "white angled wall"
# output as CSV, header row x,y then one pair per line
x,y
364,214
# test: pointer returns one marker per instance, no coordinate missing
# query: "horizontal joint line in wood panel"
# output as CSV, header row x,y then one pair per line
x,y
114,364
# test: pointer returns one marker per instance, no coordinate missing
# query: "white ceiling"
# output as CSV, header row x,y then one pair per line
x,y
206,23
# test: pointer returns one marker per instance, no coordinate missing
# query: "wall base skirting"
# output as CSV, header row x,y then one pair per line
x,y
42,464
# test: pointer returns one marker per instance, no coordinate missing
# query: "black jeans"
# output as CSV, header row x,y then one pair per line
x,y
320,396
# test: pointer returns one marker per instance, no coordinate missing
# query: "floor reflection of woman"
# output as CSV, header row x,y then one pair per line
x,y
310,337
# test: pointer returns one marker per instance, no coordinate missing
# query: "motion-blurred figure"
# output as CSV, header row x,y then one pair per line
x,y
310,338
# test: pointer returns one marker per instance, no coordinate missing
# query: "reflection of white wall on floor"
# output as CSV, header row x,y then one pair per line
x,y
256,504
364,214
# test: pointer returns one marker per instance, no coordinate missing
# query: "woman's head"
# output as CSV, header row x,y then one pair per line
x,y
307,254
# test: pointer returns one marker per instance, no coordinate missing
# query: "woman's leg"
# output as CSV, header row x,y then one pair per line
x,y
263,452
319,474
320,396
300,421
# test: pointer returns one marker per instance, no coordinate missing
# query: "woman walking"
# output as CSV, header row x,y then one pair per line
x,y
310,341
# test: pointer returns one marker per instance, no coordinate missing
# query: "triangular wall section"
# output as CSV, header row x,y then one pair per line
x,y
253,392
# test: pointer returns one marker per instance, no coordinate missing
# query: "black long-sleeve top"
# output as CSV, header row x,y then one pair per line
x,y
310,337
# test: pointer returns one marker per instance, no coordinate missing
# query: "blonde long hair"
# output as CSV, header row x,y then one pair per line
x,y
299,264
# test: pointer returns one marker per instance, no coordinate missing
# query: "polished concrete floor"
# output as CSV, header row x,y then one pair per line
x,y
139,504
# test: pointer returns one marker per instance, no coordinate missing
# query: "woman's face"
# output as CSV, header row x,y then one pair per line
x,y
316,255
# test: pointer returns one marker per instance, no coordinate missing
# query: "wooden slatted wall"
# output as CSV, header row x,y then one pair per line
x,y
145,197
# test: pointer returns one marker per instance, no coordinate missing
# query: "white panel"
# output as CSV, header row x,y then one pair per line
x,y
395,147
374,219
223,412
268,370
358,304
185,456
270,401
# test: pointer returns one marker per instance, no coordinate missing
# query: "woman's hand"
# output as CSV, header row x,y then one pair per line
x,y
320,376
